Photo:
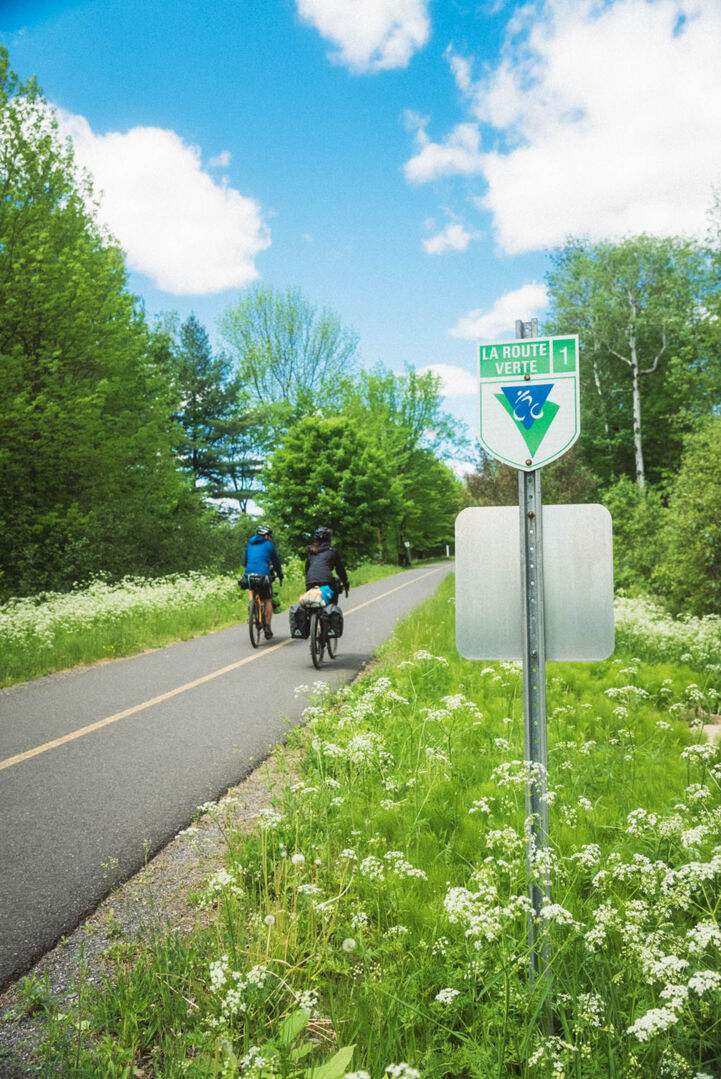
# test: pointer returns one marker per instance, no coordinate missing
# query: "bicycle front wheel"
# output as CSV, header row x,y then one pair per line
x,y
317,643
254,621
332,646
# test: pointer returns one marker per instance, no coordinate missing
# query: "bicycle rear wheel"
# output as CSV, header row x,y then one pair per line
x,y
332,646
317,642
254,621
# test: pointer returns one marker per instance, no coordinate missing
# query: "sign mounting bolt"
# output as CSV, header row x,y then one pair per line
x,y
529,461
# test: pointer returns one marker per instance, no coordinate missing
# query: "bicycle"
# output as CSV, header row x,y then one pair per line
x,y
319,639
256,615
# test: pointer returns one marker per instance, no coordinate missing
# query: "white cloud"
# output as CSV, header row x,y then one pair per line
x,y
455,382
607,122
499,323
180,228
370,35
454,237
221,160
459,153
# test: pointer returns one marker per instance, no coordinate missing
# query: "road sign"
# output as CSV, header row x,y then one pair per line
x,y
530,401
578,583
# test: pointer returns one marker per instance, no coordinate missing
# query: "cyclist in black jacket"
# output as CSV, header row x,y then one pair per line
x,y
321,560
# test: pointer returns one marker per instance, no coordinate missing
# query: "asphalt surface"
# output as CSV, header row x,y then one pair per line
x,y
82,809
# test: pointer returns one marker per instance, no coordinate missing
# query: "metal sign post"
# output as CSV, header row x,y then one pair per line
x,y
534,703
530,415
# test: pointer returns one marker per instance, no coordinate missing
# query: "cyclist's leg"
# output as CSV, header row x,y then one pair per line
x,y
267,615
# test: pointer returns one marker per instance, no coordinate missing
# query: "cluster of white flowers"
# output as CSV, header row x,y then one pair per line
x,y
653,1022
42,618
371,868
482,913
703,752
223,882
317,691
447,996
269,818
628,694
308,889
398,865
402,1071
685,640
254,1060
424,654
308,1001
554,912
234,986
365,747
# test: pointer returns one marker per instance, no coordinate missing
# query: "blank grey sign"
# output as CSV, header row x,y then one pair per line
x,y
577,574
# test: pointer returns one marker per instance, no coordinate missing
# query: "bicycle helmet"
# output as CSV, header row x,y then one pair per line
x,y
322,535
263,530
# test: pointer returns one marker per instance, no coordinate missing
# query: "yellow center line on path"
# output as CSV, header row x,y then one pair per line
x,y
82,731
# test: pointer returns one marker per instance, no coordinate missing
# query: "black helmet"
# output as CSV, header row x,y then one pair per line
x,y
263,530
322,534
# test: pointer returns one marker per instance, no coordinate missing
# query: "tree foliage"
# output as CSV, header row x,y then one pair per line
x,y
648,368
567,480
404,417
289,355
689,577
89,481
328,472
221,439
206,396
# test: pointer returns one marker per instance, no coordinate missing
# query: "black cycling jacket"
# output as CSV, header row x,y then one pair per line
x,y
319,567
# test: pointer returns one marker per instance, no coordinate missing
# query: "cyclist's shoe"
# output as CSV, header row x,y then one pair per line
x,y
268,634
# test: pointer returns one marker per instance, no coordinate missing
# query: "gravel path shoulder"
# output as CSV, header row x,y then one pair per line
x,y
154,899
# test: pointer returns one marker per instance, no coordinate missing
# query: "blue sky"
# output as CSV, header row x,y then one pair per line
x,y
408,163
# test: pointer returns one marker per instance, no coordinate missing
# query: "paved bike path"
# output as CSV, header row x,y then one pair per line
x,y
102,765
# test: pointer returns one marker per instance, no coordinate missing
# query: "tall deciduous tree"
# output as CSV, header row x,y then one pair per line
x,y
289,355
88,479
646,366
328,472
403,414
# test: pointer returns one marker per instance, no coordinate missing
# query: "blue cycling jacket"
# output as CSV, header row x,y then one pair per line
x,y
260,555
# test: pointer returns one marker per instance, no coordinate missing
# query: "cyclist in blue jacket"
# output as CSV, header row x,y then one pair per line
x,y
261,558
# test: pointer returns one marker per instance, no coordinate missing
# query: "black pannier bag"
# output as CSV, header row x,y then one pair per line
x,y
299,621
333,618
260,583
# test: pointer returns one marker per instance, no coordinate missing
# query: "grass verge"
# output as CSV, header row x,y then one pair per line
x,y
381,904
54,631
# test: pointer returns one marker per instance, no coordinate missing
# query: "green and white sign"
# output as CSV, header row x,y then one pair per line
x,y
530,401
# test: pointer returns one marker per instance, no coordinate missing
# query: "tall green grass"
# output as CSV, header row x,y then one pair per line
x,y
54,631
382,902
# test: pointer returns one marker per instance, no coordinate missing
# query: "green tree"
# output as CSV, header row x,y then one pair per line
x,y
565,481
432,499
221,439
689,576
403,415
648,368
328,472
638,520
289,356
206,397
89,481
